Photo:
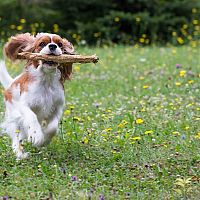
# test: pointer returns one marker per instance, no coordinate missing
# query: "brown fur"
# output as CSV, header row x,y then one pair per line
x,y
45,39
19,43
28,43
68,47
66,72
23,81
8,95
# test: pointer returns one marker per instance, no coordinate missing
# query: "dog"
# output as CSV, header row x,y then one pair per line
x,y
34,100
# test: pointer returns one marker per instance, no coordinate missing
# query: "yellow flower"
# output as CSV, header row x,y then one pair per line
x,y
136,138
187,127
194,10
190,81
17,131
67,112
77,119
114,151
137,19
144,35
148,132
122,124
176,133
174,51
19,28
182,73
141,77
145,86
88,118
178,84
197,135
180,40
55,26
12,26
174,33
74,35
71,107
195,21
117,19
139,121
142,40
185,26
22,21
147,41
85,140
76,68
108,129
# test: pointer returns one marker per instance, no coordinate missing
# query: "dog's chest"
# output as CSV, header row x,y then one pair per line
x,y
45,98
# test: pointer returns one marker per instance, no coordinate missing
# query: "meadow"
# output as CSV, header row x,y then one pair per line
x,y
130,130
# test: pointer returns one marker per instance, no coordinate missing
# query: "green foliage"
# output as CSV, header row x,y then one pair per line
x,y
97,22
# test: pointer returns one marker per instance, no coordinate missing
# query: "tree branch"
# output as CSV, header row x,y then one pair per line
x,y
64,58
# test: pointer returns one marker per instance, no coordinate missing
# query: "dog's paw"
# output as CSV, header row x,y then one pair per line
x,y
22,155
35,136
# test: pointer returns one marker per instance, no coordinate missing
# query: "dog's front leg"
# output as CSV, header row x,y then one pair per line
x,y
17,139
32,126
51,129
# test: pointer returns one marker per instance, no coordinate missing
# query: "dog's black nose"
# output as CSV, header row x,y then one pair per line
x,y
52,47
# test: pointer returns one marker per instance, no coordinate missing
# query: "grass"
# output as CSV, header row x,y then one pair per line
x,y
130,130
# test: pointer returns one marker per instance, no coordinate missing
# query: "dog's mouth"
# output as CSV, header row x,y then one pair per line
x,y
50,63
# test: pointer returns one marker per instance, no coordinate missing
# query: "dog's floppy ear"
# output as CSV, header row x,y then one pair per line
x,y
66,69
19,43
68,48
66,72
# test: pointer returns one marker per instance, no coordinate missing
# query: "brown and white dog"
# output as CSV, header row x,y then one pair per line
x,y
34,100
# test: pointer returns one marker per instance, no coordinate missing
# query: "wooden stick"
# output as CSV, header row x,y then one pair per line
x,y
64,58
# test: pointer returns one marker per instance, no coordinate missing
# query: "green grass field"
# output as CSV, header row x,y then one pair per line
x,y
130,130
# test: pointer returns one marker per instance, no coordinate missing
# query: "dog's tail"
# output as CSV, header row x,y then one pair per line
x,y
5,77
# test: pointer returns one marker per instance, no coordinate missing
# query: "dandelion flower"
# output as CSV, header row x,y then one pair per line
x,y
22,21
148,132
197,135
187,127
71,107
122,124
145,86
67,112
141,77
190,81
182,73
19,28
85,140
178,84
176,133
117,19
139,121
136,138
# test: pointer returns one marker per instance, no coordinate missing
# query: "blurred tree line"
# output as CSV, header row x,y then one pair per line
x,y
100,22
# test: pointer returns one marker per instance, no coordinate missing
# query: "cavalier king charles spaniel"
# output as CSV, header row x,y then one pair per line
x,y
35,99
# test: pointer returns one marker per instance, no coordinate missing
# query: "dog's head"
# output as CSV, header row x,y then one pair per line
x,y
44,43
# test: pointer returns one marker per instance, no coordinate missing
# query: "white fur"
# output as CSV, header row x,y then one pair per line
x,y
5,78
46,50
34,114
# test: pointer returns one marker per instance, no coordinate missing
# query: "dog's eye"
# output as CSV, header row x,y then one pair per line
x,y
42,44
60,44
